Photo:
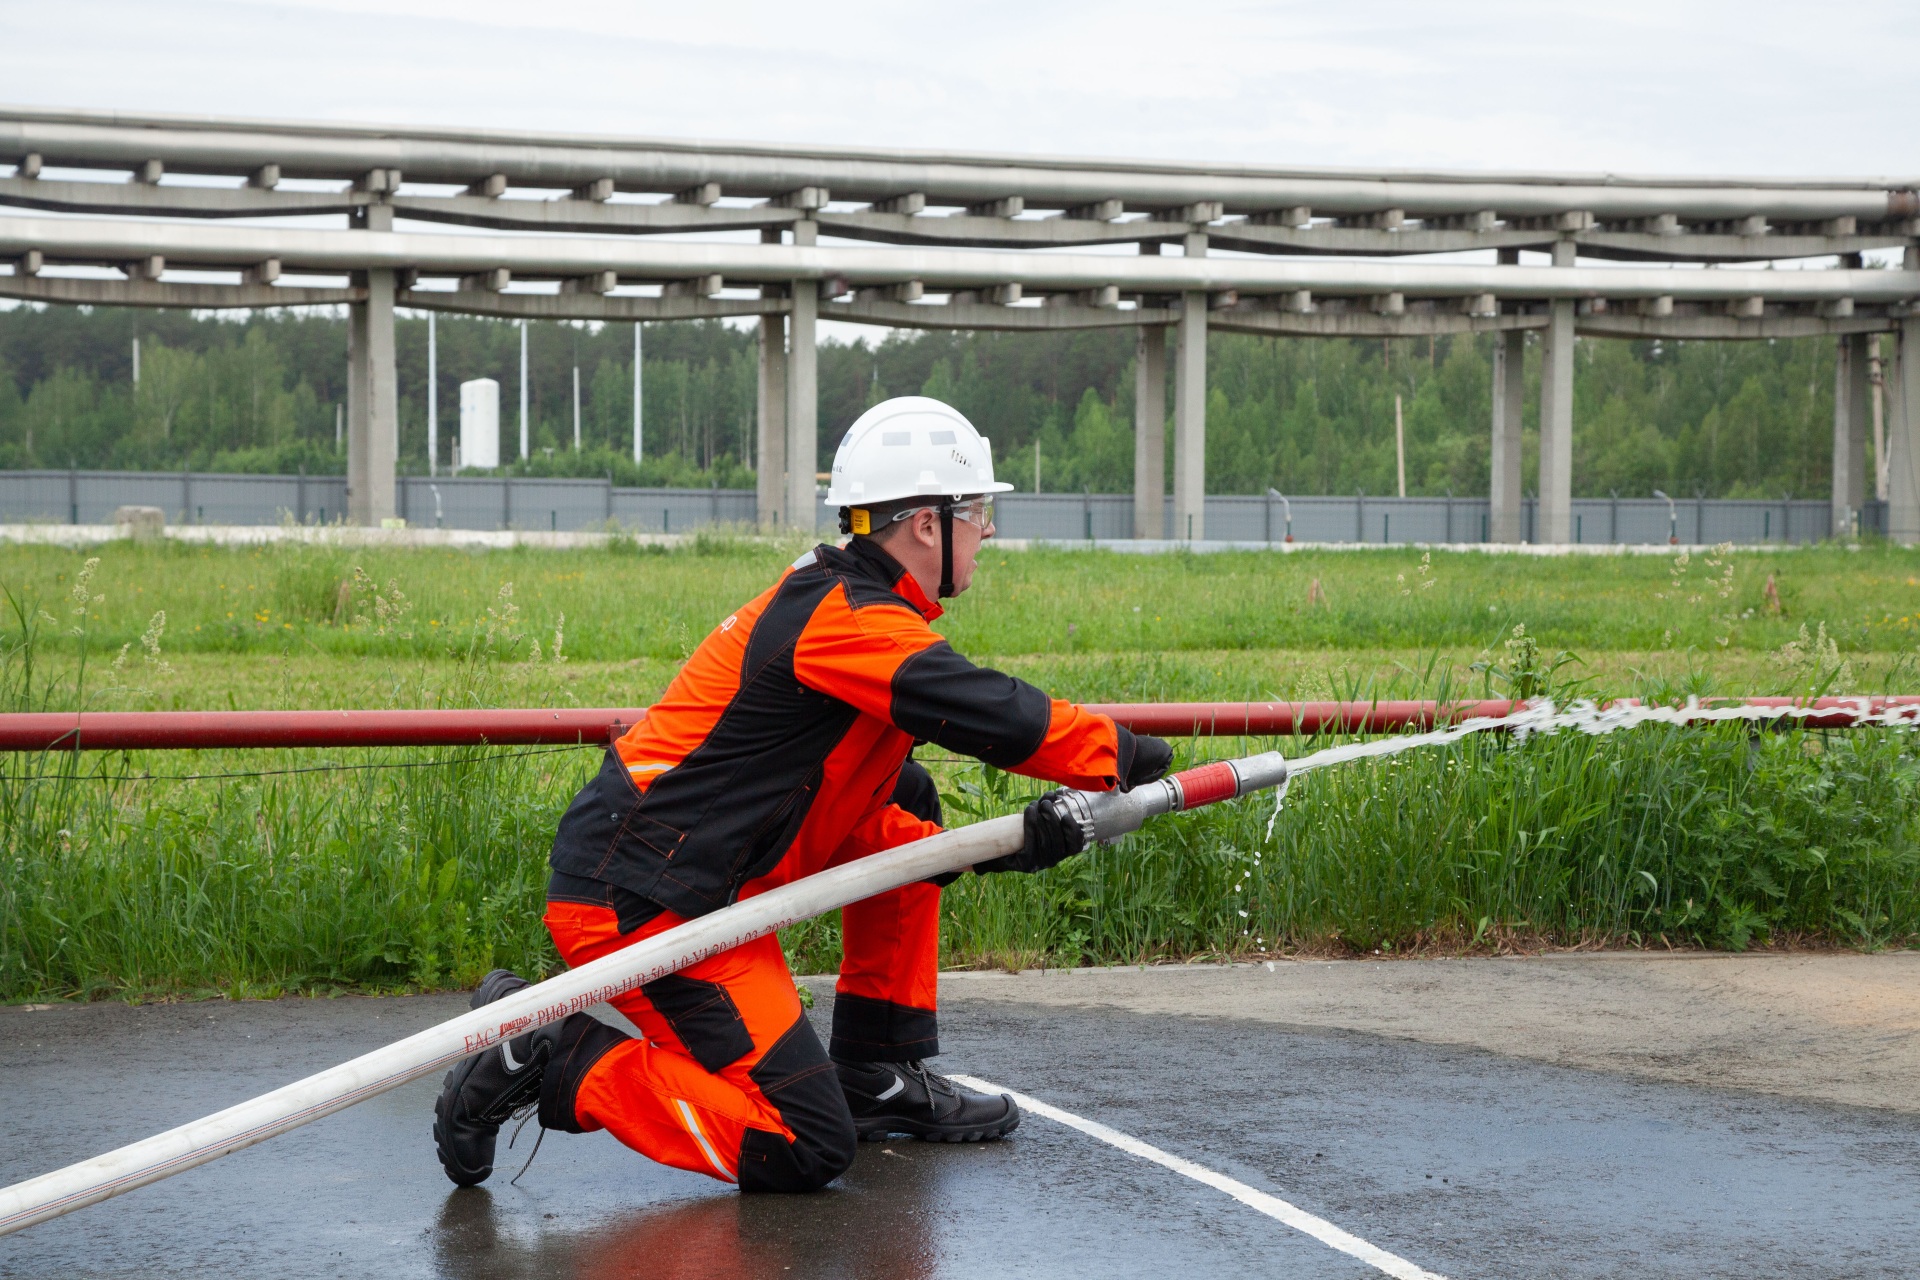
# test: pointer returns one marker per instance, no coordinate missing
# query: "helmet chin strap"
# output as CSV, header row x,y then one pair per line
x,y
946,548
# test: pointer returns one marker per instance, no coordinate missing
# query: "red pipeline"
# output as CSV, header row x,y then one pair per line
x,y
201,730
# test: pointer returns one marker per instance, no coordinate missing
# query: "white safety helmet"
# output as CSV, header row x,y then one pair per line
x,y
910,447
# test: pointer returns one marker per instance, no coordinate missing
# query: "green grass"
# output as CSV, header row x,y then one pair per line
x,y
121,879
650,603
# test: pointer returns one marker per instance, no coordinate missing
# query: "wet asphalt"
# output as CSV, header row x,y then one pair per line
x,y
1464,1162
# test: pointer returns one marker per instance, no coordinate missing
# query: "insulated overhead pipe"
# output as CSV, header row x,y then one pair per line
x,y
440,254
207,730
439,154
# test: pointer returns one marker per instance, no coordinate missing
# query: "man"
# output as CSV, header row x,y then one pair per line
x,y
782,748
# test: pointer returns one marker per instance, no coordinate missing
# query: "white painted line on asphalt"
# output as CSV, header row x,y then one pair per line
x,y
1273,1206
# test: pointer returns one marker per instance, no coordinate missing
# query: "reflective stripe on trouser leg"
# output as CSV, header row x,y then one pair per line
x,y
729,1081
666,1107
699,1136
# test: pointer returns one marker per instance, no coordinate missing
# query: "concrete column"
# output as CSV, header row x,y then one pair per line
x,y
1903,436
800,510
1890,415
356,396
1861,393
1844,463
1849,431
1190,421
1556,415
433,395
373,441
640,388
1150,433
1509,401
1190,411
1509,404
771,457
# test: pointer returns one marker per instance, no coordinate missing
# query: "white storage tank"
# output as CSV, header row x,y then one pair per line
x,y
480,423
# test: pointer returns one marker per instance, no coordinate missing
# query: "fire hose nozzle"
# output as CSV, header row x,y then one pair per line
x,y
1108,815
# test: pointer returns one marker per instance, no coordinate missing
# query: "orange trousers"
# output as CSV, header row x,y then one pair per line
x,y
727,1077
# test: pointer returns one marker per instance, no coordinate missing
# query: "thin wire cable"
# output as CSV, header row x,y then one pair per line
x,y
315,768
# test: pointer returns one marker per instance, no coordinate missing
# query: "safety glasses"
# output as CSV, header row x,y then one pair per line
x,y
978,513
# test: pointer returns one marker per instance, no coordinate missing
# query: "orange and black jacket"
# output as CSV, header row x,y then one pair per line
x,y
776,750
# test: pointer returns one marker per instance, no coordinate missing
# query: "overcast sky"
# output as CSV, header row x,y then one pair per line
x,y
1757,87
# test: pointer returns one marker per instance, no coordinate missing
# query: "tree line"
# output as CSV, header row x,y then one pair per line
x,y
264,393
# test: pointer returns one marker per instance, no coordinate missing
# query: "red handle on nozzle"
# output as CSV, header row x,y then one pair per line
x,y
1207,784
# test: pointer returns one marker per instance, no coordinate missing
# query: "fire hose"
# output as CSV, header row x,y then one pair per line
x,y
1102,816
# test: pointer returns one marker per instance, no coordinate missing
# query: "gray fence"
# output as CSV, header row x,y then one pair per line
x,y
472,502
462,502
90,497
517,503
1073,517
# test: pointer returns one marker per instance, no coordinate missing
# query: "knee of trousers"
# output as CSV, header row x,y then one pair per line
x,y
768,1162
796,1076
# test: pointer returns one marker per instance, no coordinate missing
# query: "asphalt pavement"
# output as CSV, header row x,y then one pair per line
x,y
1459,1160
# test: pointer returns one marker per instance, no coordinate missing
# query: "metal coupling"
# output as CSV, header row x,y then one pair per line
x,y
1076,807
1115,813
1257,773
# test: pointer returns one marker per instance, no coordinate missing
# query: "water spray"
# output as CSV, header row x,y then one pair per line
x,y
1103,816
1585,716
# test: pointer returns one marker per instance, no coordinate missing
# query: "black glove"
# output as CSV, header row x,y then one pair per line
x,y
1053,834
1143,758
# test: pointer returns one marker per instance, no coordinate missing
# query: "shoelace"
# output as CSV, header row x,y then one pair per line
x,y
523,1115
930,1080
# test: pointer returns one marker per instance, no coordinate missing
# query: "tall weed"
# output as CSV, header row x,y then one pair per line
x,y
262,872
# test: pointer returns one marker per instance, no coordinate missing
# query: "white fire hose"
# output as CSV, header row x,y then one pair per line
x,y
1102,815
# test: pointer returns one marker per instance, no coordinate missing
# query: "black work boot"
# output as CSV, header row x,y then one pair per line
x,y
482,1092
905,1097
